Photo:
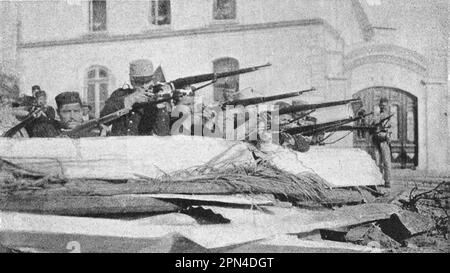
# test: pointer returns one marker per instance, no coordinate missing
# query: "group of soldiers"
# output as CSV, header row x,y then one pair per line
x,y
153,118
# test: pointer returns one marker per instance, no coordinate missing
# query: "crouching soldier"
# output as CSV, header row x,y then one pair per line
x,y
69,109
144,118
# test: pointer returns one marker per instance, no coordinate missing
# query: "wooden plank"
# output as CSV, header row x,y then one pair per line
x,y
76,243
246,225
235,199
86,205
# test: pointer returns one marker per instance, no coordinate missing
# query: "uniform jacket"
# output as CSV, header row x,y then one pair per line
x,y
146,120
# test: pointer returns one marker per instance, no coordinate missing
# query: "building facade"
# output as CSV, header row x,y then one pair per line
x,y
344,48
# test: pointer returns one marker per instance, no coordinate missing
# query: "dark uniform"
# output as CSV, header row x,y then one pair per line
x,y
46,127
145,120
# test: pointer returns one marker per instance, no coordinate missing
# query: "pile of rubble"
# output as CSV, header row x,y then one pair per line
x,y
237,200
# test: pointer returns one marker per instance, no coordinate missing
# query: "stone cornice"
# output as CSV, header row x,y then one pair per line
x,y
384,53
212,29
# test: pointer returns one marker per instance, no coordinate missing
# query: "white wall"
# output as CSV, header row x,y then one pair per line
x,y
50,20
63,68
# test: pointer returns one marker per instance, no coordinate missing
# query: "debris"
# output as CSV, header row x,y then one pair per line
x,y
364,235
235,199
86,205
337,235
405,224
168,219
338,167
206,216
122,158
291,244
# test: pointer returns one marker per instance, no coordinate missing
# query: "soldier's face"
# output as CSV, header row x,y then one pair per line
x,y
383,106
284,119
228,95
71,115
42,100
143,86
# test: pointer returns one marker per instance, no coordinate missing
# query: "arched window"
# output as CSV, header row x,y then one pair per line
x,y
225,65
97,82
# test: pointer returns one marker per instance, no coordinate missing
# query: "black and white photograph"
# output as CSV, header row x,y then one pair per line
x,y
224,127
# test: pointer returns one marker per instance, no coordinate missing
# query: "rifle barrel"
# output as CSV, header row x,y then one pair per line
x,y
312,129
299,108
181,82
258,100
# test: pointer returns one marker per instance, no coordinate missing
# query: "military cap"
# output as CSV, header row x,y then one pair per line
x,y
298,102
35,87
67,98
383,99
40,93
282,104
141,70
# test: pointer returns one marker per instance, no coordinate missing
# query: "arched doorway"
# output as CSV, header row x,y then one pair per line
x,y
404,130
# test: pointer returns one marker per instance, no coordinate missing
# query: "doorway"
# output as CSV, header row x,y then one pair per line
x,y
404,124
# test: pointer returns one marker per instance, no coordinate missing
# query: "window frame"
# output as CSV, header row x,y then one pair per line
x,y
219,81
224,21
97,81
91,17
150,16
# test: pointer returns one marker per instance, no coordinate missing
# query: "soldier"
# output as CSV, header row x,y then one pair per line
x,y
34,89
87,112
380,138
145,120
296,142
184,103
70,114
41,97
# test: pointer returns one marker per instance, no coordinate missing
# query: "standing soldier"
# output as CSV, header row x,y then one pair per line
x,y
145,120
380,138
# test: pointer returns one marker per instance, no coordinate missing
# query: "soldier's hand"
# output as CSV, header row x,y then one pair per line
x,y
209,113
137,97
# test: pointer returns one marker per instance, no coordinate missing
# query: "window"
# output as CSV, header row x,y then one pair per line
x,y
225,65
224,9
97,88
160,12
97,15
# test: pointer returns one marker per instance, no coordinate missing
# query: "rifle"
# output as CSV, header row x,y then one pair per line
x,y
25,122
306,107
174,85
80,130
380,123
309,130
186,81
258,100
